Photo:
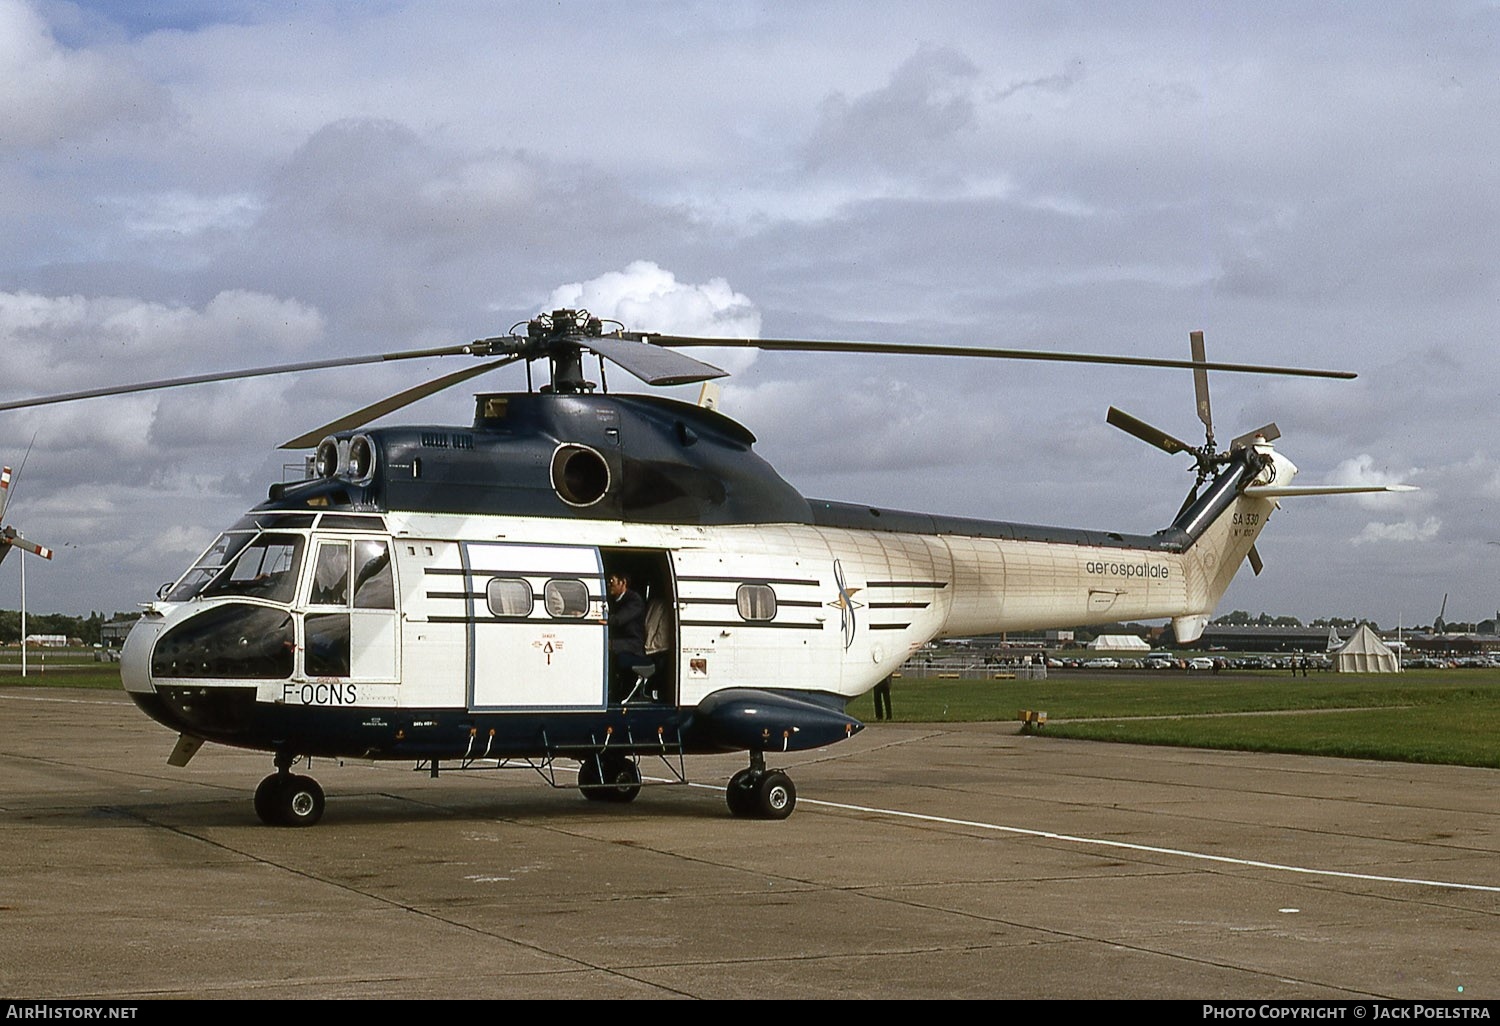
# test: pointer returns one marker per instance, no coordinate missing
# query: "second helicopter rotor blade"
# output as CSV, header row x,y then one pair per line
x,y
923,349
391,403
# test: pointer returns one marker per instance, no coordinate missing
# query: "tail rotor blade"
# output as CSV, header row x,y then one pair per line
x,y
1255,561
1146,432
1266,433
5,477
1200,382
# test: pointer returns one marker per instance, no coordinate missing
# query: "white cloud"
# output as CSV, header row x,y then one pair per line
x,y
74,342
647,297
50,95
1400,532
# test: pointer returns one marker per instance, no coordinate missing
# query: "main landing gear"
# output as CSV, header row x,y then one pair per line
x,y
758,793
609,777
288,799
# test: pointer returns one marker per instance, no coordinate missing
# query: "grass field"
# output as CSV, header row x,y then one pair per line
x,y
1438,716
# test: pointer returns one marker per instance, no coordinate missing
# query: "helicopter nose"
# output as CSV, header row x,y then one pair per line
x,y
135,657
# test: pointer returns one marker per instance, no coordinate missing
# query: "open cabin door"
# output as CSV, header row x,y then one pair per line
x,y
650,574
536,626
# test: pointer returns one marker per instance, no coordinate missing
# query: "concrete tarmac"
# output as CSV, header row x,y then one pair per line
x,y
922,861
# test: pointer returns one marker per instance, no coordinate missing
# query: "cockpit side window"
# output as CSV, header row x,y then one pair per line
x,y
371,587
374,587
331,575
266,568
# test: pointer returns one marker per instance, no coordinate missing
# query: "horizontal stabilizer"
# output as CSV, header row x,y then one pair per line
x,y
1281,491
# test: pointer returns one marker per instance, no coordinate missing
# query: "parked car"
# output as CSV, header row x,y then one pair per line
x,y
1201,663
1102,664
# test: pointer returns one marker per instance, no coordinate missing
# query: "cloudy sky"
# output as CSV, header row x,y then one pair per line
x,y
204,186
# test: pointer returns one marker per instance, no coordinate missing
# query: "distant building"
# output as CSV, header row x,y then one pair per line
x,y
47,641
112,633
1259,638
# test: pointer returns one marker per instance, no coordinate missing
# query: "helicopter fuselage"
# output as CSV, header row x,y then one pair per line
x,y
439,593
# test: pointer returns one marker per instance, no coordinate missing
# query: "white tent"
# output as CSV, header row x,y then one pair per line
x,y
1365,653
1119,643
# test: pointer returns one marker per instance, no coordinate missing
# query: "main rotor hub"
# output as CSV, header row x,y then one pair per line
x,y
556,335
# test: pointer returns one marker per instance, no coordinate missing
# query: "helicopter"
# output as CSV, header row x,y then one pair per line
x,y
437,593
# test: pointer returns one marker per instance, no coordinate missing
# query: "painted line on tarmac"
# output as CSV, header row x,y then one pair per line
x,y
1147,848
65,701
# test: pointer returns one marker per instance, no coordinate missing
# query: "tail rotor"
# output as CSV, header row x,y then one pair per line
x,y
1207,458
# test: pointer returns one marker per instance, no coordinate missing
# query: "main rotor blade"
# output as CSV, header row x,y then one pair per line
x,y
1200,381
388,405
258,372
651,363
1146,432
920,349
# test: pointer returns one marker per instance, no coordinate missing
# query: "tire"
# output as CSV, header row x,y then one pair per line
x,y
775,796
588,780
740,794
300,801
266,800
607,778
626,778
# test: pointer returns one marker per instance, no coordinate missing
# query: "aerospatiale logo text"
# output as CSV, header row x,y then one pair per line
x,y
1155,571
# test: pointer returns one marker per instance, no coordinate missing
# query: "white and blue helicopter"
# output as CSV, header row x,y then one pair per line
x,y
438,593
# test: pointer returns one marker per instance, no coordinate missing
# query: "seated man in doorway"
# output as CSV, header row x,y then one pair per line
x,y
658,647
627,632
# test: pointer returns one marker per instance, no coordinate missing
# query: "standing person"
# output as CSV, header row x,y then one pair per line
x,y
882,694
627,628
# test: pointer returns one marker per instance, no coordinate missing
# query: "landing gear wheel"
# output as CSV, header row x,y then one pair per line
x,y
301,801
775,796
740,794
761,794
609,778
287,800
266,800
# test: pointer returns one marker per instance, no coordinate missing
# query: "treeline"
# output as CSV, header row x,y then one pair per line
x,y
1240,618
84,628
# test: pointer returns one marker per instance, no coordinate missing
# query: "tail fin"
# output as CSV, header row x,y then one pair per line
x,y
1222,525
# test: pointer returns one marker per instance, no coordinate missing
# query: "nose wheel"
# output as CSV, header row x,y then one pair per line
x,y
758,793
289,799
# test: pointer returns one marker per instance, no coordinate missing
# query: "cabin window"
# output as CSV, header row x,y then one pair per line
x,y
266,568
756,602
567,598
509,596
